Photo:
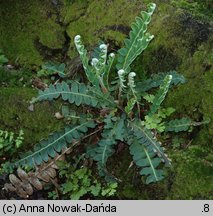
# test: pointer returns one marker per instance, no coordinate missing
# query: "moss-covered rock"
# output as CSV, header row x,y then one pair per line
x,y
193,174
101,20
32,31
14,115
200,9
24,25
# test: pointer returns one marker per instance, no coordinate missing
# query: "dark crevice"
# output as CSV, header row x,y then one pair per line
x,y
53,54
189,25
48,53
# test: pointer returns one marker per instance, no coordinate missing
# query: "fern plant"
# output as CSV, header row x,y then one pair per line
x,y
115,108
50,69
79,182
9,143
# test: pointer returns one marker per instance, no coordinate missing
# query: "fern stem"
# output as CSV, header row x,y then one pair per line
x,y
103,88
119,95
139,110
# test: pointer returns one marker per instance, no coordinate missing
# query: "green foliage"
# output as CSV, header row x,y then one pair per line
x,y
149,98
114,130
159,97
6,168
155,121
183,124
53,195
178,125
130,106
9,143
98,72
117,113
122,80
81,182
157,79
131,84
147,138
144,157
138,40
85,60
50,69
55,143
76,93
110,190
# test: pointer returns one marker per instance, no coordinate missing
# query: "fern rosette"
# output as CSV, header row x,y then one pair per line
x,y
120,113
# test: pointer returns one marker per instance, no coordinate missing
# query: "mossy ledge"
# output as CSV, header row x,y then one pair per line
x,y
14,115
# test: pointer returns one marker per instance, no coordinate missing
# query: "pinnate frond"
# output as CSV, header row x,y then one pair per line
x,y
157,79
178,125
54,144
138,40
77,93
147,160
160,96
146,137
92,77
114,130
130,105
147,152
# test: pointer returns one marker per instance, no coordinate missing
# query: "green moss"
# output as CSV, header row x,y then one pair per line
x,y
14,77
102,21
72,11
52,36
25,22
196,7
193,174
115,37
14,115
40,21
